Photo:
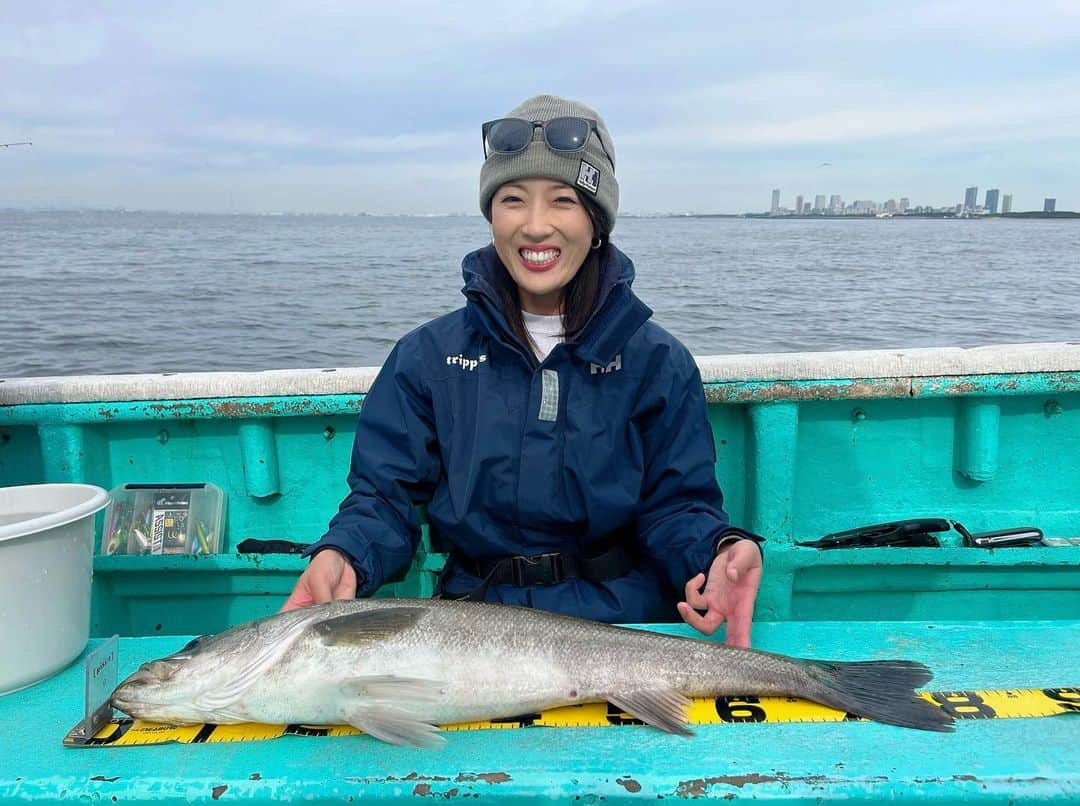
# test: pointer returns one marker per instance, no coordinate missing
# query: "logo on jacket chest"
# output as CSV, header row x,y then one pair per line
x,y
614,366
466,364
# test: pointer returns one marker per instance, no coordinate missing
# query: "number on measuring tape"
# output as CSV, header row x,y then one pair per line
x,y
739,709
1069,696
617,717
963,705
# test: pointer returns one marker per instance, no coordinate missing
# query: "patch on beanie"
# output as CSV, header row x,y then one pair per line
x,y
588,177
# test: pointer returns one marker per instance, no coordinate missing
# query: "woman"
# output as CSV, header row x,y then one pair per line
x,y
558,437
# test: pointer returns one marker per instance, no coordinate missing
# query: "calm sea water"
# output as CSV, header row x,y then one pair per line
x,y
147,292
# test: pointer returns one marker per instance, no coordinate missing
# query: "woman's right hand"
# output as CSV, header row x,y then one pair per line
x,y
328,577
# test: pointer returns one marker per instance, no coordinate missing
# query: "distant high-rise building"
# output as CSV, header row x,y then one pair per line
x,y
819,202
890,206
775,201
991,201
971,198
959,209
1006,204
905,203
1049,205
835,204
806,208
798,205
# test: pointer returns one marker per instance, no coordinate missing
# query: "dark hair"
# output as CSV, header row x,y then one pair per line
x,y
579,296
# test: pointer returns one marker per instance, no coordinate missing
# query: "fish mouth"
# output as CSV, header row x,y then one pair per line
x,y
125,699
130,707
129,696
136,706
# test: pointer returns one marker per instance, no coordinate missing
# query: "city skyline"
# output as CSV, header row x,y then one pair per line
x,y
969,205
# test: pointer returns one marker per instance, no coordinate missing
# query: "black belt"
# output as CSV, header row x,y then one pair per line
x,y
612,559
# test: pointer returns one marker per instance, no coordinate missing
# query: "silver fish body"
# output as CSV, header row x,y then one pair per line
x,y
395,668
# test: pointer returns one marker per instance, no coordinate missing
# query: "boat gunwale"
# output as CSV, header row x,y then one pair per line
x,y
920,372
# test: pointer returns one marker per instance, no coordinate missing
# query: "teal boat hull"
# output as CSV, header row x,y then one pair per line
x,y
806,445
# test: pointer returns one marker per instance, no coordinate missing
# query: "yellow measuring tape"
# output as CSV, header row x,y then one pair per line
x,y
995,704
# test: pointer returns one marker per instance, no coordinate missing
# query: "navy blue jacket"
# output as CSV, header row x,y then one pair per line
x,y
608,433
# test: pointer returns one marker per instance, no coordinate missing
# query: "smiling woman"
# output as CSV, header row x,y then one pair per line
x,y
557,436
542,235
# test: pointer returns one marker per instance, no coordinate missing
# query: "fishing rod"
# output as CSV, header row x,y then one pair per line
x,y
9,145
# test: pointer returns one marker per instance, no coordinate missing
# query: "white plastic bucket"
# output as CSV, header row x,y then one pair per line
x,y
46,564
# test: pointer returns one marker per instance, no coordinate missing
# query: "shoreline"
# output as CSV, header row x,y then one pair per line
x,y
1034,215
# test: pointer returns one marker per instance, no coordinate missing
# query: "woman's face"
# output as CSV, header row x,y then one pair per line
x,y
542,234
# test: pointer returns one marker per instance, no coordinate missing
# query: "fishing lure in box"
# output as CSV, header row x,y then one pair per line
x,y
164,519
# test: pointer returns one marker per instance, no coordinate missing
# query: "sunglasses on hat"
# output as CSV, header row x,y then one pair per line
x,y
565,135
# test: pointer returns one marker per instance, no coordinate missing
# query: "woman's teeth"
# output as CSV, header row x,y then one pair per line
x,y
539,258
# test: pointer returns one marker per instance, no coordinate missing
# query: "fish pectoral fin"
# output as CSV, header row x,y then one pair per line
x,y
366,626
385,707
393,725
665,709
390,687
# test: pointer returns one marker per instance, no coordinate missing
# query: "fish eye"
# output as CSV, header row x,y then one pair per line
x,y
190,645
158,669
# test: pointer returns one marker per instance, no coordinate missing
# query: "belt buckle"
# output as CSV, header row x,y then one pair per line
x,y
539,569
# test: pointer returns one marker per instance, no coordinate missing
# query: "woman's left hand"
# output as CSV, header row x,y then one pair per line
x,y
728,593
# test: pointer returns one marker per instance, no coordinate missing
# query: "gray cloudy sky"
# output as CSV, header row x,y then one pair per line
x,y
372,106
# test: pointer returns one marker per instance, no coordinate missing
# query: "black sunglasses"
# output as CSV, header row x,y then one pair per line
x,y
565,135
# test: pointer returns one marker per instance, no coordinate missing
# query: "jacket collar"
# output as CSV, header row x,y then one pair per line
x,y
617,315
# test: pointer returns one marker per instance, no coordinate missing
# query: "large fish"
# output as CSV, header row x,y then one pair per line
x,y
396,668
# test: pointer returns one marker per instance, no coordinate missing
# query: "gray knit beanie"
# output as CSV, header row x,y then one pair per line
x,y
588,171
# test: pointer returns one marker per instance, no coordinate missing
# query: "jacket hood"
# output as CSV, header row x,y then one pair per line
x,y
616,315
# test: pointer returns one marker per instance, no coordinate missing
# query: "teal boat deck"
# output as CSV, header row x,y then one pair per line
x,y
984,761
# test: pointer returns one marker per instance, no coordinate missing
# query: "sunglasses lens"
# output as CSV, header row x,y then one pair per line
x,y
567,134
508,136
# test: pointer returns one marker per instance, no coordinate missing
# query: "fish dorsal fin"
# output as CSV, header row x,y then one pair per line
x,y
366,626
665,708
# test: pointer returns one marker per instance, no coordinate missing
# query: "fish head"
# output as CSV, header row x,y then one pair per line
x,y
173,689
206,680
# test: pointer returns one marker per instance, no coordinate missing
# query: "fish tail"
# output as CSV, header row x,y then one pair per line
x,y
880,690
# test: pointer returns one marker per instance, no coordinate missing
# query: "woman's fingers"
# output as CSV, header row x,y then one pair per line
x,y
300,597
740,604
321,584
694,596
330,576
346,585
727,594
707,624
738,629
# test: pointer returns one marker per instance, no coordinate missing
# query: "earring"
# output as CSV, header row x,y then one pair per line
x,y
597,243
